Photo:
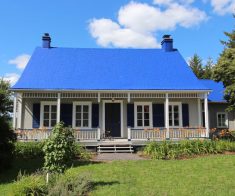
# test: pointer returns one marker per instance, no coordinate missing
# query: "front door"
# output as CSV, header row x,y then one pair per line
x,y
113,119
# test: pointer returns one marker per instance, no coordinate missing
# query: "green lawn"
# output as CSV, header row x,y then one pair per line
x,y
212,175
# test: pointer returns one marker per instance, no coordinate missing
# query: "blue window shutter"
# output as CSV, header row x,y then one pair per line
x,y
36,115
66,114
185,114
130,115
95,115
158,115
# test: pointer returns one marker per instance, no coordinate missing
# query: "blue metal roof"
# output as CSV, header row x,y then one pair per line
x,y
107,69
217,94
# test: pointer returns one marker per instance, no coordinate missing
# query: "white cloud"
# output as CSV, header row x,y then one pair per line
x,y
138,23
222,7
11,77
20,61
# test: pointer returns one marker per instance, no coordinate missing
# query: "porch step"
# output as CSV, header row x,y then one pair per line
x,y
115,148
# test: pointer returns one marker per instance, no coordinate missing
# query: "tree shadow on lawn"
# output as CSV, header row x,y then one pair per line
x,y
25,166
29,166
102,183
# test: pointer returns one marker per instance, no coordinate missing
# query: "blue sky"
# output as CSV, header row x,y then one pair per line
x,y
196,26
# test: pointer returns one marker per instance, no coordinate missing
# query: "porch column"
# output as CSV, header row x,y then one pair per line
x,y
14,111
199,112
206,114
167,117
19,113
58,109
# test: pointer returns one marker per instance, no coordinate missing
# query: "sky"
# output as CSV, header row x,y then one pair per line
x,y
197,26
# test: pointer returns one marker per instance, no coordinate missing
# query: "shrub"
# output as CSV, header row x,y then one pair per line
x,y
68,185
222,134
81,153
187,148
29,149
59,149
30,185
7,139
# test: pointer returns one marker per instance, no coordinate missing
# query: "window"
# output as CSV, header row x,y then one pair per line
x,y
222,120
82,115
143,114
49,114
175,115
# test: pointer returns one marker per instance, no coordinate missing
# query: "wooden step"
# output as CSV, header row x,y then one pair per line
x,y
114,148
104,151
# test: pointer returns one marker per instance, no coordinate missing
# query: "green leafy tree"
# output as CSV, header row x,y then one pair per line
x,y
7,136
195,62
225,69
59,149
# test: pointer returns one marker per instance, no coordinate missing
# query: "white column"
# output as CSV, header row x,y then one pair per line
x,y
58,108
98,134
14,111
98,97
129,98
199,112
167,117
129,133
206,114
19,113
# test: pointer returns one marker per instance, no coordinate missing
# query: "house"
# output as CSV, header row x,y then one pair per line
x,y
219,118
126,94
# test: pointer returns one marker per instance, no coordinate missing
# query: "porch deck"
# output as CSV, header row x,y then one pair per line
x,y
136,137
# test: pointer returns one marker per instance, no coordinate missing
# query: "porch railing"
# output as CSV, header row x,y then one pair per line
x,y
161,133
42,134
150,134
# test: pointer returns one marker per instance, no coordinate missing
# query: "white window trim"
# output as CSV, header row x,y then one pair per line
x,y
180,114
226,119
75,103
42,104
150,114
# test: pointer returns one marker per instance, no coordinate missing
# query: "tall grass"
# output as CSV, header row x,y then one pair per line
x,y
186,148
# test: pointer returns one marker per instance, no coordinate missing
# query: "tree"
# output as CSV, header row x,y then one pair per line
x,y
59,149
195,62
208,69
7,136
224,70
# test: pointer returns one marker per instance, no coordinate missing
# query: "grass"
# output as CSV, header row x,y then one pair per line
x,y
210,175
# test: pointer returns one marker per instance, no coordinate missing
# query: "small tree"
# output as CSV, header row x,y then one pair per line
x,y
7,136
195,62
59,149
208,69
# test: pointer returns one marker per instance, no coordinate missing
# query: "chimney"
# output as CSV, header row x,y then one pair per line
x,y
167,43
46,40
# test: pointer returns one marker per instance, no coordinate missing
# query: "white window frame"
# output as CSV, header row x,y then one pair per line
x,y
150,114
89,115
43,103
179,104
226,119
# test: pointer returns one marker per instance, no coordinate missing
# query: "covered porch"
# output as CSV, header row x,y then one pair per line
x,y
112,116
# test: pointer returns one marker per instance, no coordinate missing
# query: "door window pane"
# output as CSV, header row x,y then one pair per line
x,y
46,123
82,116
174,119
139,108
143,115
49,115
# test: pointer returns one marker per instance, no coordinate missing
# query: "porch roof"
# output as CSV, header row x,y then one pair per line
x,y
107,69
217,94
